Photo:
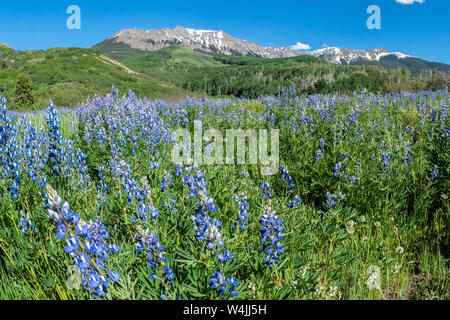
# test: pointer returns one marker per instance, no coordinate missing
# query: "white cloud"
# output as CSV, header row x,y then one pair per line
x,y
325,45
301,46
409,1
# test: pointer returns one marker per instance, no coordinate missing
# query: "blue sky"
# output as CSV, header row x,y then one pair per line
x,y
419,29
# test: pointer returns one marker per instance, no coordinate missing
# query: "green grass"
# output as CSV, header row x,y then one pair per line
x,y
117,50
170,64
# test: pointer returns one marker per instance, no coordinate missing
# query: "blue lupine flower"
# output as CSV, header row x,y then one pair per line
x,y
444,112
266,188
72,245
169,273
337,168
9,152
149,244
318,155
332,200
286,178
102,189
34,144
435,173
26,224
88,247
178,170
225,256
56,150
197,187
154,165
120,170
114,276
212,235
293,204
385,158
271,236
168,205
218,280
243,213
207,228
166,181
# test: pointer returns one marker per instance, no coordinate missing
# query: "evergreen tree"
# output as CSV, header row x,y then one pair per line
x,y
24,93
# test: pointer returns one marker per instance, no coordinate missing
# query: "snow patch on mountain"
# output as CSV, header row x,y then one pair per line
x,y
204,40
219,42
347,56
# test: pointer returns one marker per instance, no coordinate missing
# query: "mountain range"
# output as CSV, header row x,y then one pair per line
x,y
214,42
135,41
180,62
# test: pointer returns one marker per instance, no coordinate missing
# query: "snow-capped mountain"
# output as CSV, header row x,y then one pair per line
x,y
223,43
210,41
133,41
352,56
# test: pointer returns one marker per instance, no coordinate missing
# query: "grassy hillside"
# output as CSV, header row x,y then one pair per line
x,y
117,50
69,75
170,64
173,56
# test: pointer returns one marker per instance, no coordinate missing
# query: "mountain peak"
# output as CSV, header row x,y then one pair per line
x,y
349,56
378,50
210,41
219,42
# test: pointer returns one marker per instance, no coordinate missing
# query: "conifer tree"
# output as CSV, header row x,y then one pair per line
x,y
24,92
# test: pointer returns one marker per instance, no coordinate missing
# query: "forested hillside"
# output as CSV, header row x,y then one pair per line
x,y
69,75
251,77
